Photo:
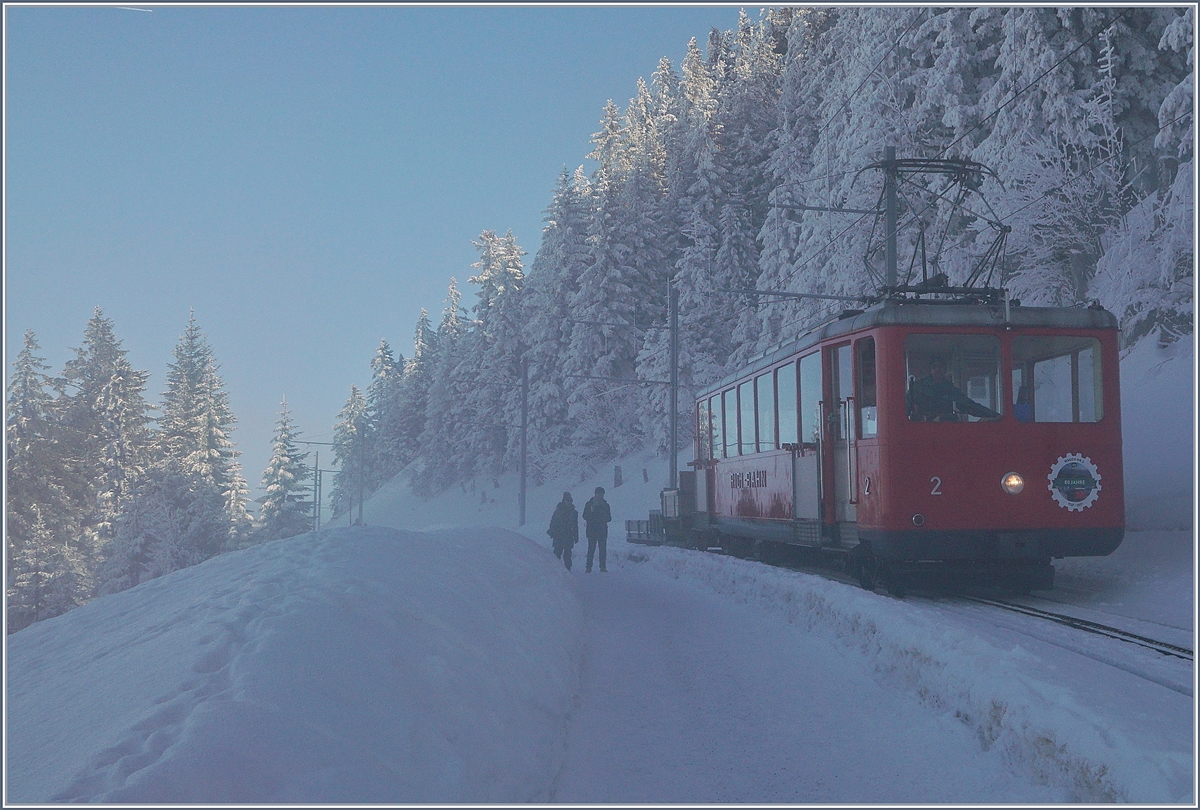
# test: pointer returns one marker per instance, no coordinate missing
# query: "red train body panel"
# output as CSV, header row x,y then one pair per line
x,y
852,438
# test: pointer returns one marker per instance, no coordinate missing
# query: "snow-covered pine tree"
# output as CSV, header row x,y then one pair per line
x,y
351,452
623,290
47,576
706,308
286,507
175,518
106,418
440,442
196,425
492,356
44,499
385,416
1146,275
552,283
414,392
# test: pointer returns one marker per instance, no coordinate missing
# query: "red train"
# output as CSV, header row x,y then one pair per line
x,y
967,437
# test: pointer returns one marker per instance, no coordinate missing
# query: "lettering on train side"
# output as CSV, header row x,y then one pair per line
x,y
747,480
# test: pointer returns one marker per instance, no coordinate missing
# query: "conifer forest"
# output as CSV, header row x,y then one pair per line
x,y
745,167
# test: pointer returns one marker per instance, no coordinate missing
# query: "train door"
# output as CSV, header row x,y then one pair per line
x,y
839,429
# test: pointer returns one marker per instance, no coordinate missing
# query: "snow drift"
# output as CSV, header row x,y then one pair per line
x,y
1013,701
349,665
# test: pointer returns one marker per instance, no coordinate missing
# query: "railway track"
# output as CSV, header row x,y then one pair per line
x,y
1164,648
1161,647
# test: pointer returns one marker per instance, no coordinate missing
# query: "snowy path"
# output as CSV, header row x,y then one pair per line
x,y
687,697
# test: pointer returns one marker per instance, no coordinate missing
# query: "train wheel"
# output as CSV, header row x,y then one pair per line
x,y
896,585
866,569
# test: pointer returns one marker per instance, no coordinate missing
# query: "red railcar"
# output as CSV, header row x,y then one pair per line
x,y
849,439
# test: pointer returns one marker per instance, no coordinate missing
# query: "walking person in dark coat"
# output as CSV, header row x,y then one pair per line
x,y
564,529
597,516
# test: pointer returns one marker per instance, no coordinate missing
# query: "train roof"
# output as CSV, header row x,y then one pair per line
x,y
908,312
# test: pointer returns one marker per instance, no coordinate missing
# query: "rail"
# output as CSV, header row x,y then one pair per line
x,y
1091,627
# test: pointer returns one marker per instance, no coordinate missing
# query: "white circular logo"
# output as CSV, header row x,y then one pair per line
x,y
1074,482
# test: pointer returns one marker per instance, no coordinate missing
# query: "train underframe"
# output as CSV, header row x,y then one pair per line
x,y
1020,561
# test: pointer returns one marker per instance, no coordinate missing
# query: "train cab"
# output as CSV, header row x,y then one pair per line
x,y
981,436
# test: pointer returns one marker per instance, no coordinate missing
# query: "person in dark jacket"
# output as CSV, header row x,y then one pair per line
x,y
934,398
564,529
597,516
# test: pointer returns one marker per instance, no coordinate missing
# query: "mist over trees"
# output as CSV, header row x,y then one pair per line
x,y
708,178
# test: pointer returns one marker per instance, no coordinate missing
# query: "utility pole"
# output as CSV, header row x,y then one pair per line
x,y
362,465
524,433
316,481
673,321
890,175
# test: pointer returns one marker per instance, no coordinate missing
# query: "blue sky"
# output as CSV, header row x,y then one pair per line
x,y
305,178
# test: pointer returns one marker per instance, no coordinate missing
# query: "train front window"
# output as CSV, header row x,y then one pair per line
x,y
952,378
1057,379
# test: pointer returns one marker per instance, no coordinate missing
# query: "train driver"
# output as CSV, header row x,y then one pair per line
x,y
934,398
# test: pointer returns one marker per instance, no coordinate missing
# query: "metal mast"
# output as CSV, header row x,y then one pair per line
x,y
890,225
673,325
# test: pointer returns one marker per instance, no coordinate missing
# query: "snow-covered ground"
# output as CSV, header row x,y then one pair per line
x,y
435,655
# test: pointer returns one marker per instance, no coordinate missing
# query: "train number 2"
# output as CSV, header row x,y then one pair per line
x,y
937,486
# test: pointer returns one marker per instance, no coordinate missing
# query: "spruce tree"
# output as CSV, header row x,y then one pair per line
x,y
196,425
106,420
493,354
552,284
351,452
414,390
384,415
46,500
175,518
443,447
285,510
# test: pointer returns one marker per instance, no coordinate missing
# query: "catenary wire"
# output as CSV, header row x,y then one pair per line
x,y
1044,74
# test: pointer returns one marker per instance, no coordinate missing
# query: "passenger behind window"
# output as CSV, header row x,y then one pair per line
x,y
1023,407
934,398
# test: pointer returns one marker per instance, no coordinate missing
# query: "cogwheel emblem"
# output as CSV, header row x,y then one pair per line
x,y
1074,482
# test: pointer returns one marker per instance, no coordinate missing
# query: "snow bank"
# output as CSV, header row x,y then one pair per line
x,y
1039,726
1158,432
349,665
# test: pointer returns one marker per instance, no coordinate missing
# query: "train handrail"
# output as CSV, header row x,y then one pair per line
x,y
851,454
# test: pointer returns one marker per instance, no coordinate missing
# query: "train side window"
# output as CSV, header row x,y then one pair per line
x,y
746,418
810,399
703,431
1057,379
785,384
729,411
718,425
764,396
868,415
953,378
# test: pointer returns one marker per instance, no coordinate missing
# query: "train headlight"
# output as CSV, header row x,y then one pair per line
x,y
1012,483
